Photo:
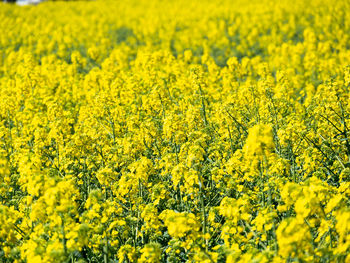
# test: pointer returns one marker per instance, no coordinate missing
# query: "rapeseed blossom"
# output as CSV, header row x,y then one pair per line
x,y
175,131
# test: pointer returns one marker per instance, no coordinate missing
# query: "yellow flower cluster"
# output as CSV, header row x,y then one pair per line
x,y
175,131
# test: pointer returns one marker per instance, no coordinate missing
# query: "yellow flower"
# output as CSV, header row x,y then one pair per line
x,y
151,253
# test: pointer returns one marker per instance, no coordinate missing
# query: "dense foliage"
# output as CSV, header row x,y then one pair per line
x,y
174,131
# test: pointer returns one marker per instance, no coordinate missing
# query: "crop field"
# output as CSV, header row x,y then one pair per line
x,y
175,131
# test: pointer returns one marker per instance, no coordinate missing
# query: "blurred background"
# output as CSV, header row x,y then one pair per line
x,y
23,2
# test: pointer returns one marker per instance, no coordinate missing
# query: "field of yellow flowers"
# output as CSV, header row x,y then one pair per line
x,y
175,131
